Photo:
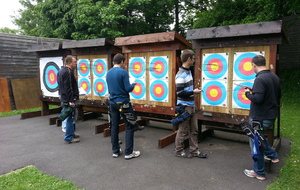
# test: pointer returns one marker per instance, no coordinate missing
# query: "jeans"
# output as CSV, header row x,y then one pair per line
x,y
259,164
114,130
63,125
70,126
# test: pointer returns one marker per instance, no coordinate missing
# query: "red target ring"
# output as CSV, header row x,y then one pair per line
x,y
215,66
214,93
245,66
242,97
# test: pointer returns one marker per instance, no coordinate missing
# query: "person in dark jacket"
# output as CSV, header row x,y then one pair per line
x,y
264,109
69,95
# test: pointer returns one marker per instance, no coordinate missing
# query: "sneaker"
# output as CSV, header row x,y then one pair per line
x,y
272,160
182,155
76,136
72,141
251,173
139,128
134,154
199,154
116,155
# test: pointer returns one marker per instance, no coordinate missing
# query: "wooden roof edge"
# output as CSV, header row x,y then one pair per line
x,y
151,38
87,43
44,47
260,28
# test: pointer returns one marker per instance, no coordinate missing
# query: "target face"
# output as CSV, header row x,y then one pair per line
x,y
137,67
215,66
239,96
139,90
243,65
85,84
100,87
214,93
99,67
158,91
50,76
159,66
83,67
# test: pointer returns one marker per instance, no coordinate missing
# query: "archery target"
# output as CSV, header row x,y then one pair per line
x,y
85,84
243,65
159,90
239,97
100,87
139,90
49,68
159,67
99,67
214,93
215,66
83,67
137,67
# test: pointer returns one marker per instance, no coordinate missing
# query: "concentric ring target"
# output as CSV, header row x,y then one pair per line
x,y
83,67
243,66
100,87
159,90
215,66
214,93
139,90
239,96
100,67
159,67
137,67
50,76
85,84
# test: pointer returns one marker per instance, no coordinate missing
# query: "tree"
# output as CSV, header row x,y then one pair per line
x,y
10,31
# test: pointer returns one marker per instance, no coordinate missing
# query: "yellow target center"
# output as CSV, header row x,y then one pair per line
x,y
137,67
247,66
99,87
83,68
214,66
52,77
213,93
99,68
158,90
158,67
137,89
84,86
244,96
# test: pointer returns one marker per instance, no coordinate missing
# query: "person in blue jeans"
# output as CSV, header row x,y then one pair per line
x,y
119,87
264,108
69,94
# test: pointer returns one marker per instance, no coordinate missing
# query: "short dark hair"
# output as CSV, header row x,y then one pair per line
x,y
69,59
259,60
118,58
186,54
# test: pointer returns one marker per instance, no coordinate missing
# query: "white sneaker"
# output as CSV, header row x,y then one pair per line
x,y
117,155
134,154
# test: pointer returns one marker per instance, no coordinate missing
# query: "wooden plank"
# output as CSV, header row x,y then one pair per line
x,y
100,128
122,127
53,120
4,96
30,114
26,93
165,141
272,27
86,43
46,47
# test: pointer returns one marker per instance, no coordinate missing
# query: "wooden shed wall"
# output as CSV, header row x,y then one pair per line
x,y
17,63
290,52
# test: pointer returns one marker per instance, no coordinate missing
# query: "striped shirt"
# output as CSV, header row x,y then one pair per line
x,y
184,87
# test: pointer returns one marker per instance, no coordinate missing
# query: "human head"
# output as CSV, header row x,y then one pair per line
x,y
70,61
186,54
258,63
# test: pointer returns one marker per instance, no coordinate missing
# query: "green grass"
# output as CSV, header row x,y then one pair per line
x,y
30,178
17,112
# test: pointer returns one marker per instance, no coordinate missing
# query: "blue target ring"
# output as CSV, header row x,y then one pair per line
x,y
137,67
100,87
159,90
239,96
139,90
158,67
214,93
85,84
219,61
50,76
99,68
83,67
239,66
